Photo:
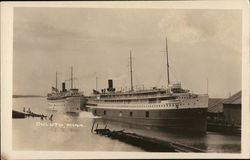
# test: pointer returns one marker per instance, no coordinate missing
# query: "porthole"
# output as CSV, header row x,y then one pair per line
x,y
131,114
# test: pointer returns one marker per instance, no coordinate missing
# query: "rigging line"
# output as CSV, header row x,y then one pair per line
x,y
173,71
74,78
175,79
164,33
135,74
162,70
128,74
160,78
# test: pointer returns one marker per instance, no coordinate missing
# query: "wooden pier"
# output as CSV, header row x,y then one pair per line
x,y
18,114
224,128
146,143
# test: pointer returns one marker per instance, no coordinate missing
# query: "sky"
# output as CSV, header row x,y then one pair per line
x,y
204,47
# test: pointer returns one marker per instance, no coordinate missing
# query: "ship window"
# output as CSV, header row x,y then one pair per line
x,y
147,113
131,114
95,111
104,112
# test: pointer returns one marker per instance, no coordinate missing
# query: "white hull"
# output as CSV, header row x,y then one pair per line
x,y
68,105
185,113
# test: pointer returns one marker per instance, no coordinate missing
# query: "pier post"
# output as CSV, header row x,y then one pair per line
x,y
92,127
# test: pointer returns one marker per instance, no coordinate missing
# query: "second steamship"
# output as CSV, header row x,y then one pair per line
x,y
69,101
171,107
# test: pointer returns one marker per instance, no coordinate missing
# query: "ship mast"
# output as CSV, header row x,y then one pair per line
x,y
207,85
167,61
56,81
131,75
71,77
96,83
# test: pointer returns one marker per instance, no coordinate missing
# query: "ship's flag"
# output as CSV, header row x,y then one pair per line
x,y
54,89
95,91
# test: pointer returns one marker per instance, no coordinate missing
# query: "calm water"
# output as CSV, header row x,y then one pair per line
x,y
73,133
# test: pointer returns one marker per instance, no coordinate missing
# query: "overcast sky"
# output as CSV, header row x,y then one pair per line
x,y
202,44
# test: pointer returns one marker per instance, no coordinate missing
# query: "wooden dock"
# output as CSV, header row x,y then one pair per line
x,y
146,143
223,128
18,114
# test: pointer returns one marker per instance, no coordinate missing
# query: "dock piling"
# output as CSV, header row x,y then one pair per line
x,y
92,127
146,143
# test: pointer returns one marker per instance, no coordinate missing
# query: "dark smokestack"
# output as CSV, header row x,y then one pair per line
x,y
110,83
63,87
110,88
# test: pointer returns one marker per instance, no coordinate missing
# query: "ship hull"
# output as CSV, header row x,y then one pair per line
x,y
68,105
191,119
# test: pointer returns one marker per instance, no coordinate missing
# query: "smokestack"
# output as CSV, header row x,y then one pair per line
x,y
63,87
110,83
110,87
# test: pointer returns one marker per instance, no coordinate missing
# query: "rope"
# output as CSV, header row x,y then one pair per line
x,y
161,73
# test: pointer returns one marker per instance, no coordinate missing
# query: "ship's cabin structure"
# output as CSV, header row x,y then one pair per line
x,y
176,88
63,93
155,95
